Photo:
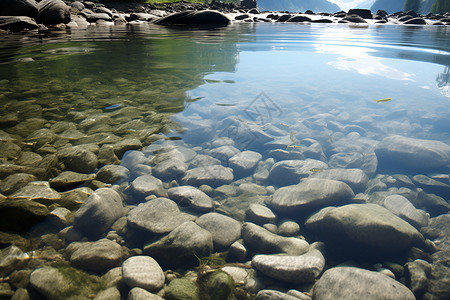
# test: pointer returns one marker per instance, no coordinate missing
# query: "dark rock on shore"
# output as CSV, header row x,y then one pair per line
x,y
363,13
207,18
53,12
14,23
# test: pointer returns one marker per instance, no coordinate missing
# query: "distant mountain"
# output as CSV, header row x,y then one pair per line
x,y
366,4
391,6
298,5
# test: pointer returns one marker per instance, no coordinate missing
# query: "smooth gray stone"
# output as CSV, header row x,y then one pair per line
x,y
288,228
50,283
157,216
79,159
400,206
294,269
98,256
15,182
38,191
181,247
147,185
264,241
203,160
224,153
244,162
213,176
189,196
170,169
348,160
311,193
355,284
100,210
224,230
113,174
287,172
355,178
120,148
398,152
260,214
69,180
416,275
370,227
111,293
143,272
432,186
207,18
273,295
141,294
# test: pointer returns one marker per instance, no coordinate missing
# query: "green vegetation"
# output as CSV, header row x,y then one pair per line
x,y
82,285
440,6
411,5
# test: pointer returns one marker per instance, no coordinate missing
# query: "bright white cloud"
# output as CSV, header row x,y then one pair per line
x,y
347,4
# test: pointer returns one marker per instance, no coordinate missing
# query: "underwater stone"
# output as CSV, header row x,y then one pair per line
x,y
416,273
98,256
203,160
264,241
113,174
50,283
243,163
15,182
169,169
68,180
99,212
9,150
432,186
224,230
288,228
310,194
141,294
147,185
39,191
182,288
355,178
157,216
190,196
400,206
260,214
287,172
273,295
220,285
143,272
79,160
224,153
238,251
128,144
295,269
111,293
213,176
355,284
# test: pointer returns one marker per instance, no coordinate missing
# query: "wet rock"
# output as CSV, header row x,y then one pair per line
x,y
202,160
28,158
348,160
416,276
432,204
143,272
205,18
191,197
439,230
97,256
224,153
182,246
244,162
355,178
9,150
50,283
238,274
147,185
99,212
287,172
368,229
295,269
415,21
238,251
363,13
288,228
353,19
398,152
259,214
157,216
41,137
224,230
53,12
27,8
113,174
141,294
73,199
69,180
21,294
111,293
213,176
39,191
12,258
432,186
20,215
61,217
169,169
127,144
182,289
15,182
273,295
264,241
400,206
298,19
310,194
78,159
219,285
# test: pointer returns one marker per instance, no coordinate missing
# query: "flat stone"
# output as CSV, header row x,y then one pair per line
x,y
203,160
260,214
157,216
97,256
61,217
143,272
295,269
192,197
355,284
267,242
17,23
398,152
311,193
182,246
244,162
113,174
401,207
213,176
14,182
416,275
147,185
50,283
432,186
287,172
142,294
224,230
9,150
356,179
224,153
169,169
100,210
68,180
78,159
127,144
20,215
39,191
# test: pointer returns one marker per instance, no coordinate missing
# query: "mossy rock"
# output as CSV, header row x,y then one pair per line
x,y
182,289
219,286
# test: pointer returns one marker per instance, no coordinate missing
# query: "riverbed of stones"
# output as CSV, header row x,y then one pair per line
x,y
106,203
59,15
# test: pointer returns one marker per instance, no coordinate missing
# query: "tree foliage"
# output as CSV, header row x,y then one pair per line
x,y
411,5
441,6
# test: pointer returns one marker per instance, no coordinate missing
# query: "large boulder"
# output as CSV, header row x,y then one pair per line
x,y
355,284
366,229
363,13
99,256
204,18
99,212
53,12
191,197
310,194
400,206
50,282
403,153
26,8
224,230
287,172
17,23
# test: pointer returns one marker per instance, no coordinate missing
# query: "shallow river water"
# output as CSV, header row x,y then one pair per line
x,y
295,118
